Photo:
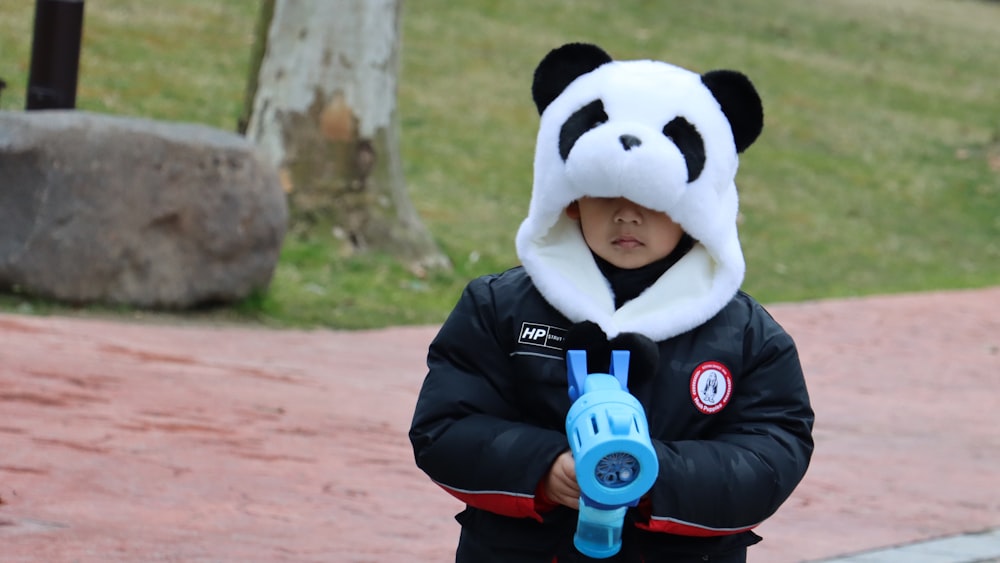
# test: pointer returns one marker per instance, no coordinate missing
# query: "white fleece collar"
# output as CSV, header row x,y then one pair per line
x,y
689,293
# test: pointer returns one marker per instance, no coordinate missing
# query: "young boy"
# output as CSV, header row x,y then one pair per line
x,y
630,241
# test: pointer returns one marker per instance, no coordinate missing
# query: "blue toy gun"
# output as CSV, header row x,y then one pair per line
x,y
615,460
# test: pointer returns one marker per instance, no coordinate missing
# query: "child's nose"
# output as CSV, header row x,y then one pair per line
x,y
628,212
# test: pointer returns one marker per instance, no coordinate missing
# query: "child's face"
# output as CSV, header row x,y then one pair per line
x,y
625,233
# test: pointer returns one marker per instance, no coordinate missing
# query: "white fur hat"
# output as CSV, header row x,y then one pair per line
x,y
691,128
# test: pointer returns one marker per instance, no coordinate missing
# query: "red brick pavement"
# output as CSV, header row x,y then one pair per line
x,y
124,441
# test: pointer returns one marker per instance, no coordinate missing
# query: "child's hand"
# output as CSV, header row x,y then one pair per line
x,y
560,482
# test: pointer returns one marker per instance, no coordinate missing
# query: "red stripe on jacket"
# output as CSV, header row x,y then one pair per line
x,y
667,526
505,504
677,527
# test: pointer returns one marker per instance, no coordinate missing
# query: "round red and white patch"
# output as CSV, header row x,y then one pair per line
x,y
711,387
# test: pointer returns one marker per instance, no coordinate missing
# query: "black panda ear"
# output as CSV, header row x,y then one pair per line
x,y
740,102
562,66
589,337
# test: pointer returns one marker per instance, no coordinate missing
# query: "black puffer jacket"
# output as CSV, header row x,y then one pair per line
x,y
490,419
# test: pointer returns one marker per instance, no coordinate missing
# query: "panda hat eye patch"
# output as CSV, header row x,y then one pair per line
x,y
689,141
585,119
679,130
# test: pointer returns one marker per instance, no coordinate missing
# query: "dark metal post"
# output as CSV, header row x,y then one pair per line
x,y
55,54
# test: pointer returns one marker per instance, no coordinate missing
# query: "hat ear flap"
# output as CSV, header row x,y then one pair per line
x,y
589,337
740,102
644,356
562,66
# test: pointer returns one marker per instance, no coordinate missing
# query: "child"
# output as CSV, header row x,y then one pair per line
x,y
630,242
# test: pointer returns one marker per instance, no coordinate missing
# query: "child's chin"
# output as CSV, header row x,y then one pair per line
x,y
629,262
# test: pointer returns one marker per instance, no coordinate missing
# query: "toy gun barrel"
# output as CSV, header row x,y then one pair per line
x,y
615,460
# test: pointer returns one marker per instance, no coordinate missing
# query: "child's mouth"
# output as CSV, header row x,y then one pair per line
x,y
626,242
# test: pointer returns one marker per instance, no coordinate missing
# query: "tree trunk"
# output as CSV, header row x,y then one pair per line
x,y
324,109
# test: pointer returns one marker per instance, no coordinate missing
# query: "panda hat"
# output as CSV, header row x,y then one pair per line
x,y
690,128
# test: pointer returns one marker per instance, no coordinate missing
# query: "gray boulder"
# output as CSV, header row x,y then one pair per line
x,y
98,208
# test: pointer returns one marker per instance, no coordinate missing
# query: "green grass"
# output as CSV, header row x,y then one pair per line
x,y
878,170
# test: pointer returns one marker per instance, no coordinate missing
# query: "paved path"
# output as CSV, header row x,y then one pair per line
x,y
125,441
978,547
